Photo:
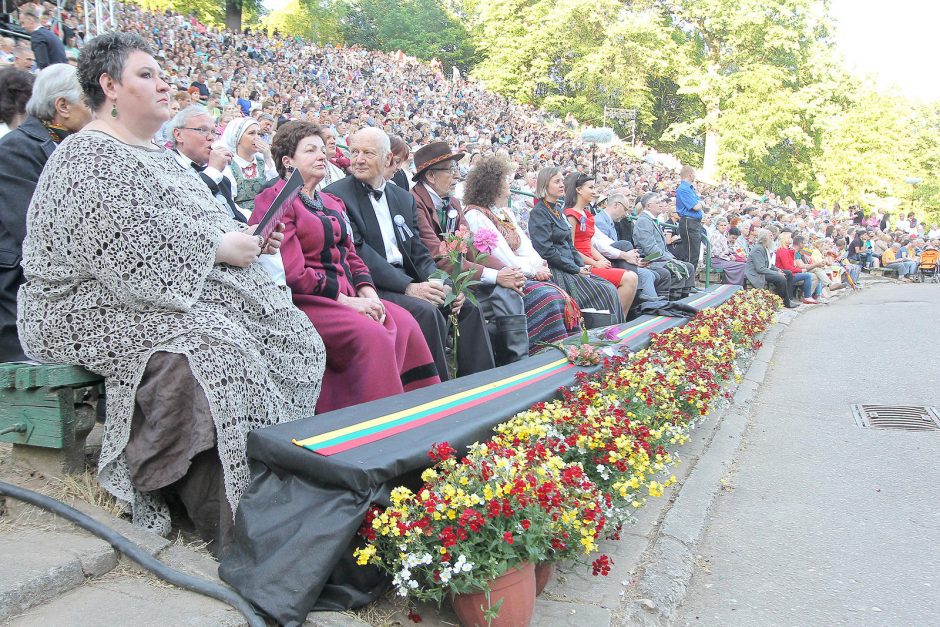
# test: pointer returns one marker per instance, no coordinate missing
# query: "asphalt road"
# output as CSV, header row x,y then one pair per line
x,y
822,522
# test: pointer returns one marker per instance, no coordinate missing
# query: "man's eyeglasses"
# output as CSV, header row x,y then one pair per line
x,y
208,132
452,169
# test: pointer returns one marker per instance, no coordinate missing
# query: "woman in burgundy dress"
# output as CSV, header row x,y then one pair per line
x,y
374,348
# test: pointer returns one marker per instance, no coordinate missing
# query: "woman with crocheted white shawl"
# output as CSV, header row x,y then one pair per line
x,y
134,272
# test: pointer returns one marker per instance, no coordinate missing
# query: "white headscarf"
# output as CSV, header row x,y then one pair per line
x,y
234,131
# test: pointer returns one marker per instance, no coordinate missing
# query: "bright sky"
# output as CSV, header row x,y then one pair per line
x,y
894,40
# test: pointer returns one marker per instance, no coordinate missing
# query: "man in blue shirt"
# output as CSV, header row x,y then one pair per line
x,y
690,208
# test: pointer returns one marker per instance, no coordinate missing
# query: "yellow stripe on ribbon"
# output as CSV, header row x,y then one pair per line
x,y
381,420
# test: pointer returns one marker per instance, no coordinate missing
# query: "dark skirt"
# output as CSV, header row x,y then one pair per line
x,y
171,448
590,292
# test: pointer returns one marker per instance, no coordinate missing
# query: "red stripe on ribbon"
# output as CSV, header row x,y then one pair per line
x,y
379,435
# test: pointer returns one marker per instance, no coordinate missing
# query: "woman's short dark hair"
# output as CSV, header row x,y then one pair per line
x,y
16,86
484,182
106,54
286,139
572,182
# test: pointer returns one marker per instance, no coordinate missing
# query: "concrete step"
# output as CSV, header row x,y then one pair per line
x,y
129,599
39,565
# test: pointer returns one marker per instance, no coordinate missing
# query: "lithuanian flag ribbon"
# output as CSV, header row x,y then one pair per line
x,y
340,440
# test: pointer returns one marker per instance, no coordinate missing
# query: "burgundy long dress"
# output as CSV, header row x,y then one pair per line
x,y
365,360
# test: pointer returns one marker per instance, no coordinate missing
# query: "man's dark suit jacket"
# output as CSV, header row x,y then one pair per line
x,y
47,48
367,236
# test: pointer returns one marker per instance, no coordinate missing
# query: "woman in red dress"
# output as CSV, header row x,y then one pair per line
x,y
374,348
579,194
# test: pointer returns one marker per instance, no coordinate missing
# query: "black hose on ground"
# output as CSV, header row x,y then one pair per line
x,y
134,552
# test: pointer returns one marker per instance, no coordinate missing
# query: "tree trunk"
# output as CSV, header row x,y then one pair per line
x,y
710,162
233,15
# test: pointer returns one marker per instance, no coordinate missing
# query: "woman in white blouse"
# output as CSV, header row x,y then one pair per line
x,y
552,314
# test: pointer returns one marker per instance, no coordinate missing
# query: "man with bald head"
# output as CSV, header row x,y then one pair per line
x,y
385,233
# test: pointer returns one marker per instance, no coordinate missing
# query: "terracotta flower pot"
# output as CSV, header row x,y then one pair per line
x,y
544,571
517,590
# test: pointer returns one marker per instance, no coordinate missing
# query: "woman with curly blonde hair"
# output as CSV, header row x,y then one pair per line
x,y
551,313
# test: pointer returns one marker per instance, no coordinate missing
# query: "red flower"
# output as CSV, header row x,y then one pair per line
x,y
441,451
413,615
508,537
526,523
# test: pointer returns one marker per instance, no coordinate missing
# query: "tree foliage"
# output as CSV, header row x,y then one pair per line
x,y
422,28
219,13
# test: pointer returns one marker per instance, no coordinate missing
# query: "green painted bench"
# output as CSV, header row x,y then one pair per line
x,y
46,412
717,275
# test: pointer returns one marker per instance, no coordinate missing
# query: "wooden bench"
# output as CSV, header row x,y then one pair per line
x,y
717,275
46,412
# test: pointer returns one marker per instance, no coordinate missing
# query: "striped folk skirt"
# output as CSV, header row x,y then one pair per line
x,y
590,292
545,311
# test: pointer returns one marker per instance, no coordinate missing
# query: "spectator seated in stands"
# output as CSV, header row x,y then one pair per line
x,y
551,313
439,214
723,256
251,165
551,237
54,111
761,274
16,86
622,254
385,234
858,251
196,344
579,195
651,242
374,348
785,260
906,268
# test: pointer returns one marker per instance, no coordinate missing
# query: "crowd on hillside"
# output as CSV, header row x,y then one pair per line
x,y
404,175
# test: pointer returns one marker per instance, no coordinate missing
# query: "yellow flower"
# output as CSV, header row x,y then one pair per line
x,y
364,555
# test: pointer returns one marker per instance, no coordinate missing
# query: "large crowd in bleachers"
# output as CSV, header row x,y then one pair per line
x,y
138,256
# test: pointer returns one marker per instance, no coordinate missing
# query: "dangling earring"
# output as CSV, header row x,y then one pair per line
x,y
114,112
290,170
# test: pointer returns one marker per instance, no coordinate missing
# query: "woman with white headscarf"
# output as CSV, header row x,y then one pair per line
x,y
251,165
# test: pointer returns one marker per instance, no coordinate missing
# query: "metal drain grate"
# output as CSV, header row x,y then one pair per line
x,y
897,417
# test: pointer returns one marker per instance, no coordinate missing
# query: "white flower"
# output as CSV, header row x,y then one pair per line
x,y
445,576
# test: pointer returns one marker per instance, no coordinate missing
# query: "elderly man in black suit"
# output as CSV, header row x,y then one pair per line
x,y
648,238
47,48
385,232
56,103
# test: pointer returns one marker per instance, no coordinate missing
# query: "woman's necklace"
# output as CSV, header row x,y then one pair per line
x,y
552,208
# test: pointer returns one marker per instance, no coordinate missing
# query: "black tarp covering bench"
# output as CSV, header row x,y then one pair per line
x,y
296,525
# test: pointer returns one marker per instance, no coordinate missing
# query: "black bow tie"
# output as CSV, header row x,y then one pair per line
x,y
197,167
375,193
